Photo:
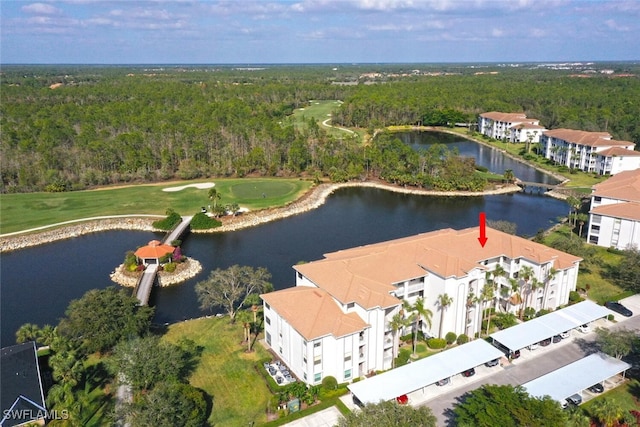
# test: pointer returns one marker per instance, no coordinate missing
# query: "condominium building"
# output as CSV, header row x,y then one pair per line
x,y
513,127
339,320
614,217
589,151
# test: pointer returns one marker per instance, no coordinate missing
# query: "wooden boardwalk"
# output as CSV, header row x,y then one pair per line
x,y
142,291
540,185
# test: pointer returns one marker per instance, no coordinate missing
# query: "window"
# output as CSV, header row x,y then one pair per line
x,y
597,199
280,350
268,337
593,239
317,377
299,275
317,344
266,319
317,360
267,306
595,227
351,305
347,374
347,357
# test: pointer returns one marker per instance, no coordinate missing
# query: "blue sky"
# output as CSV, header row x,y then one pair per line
x,y
317,31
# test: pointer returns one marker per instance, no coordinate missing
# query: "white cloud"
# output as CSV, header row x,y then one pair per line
x,y
41,9
613,25
497,32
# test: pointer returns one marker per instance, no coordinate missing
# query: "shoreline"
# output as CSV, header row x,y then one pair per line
x,y
312,199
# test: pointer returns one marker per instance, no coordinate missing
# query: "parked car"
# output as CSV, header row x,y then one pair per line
x,y
493,362
556,338
565,335
469,372
575,399
402,400
546,342
585,329
515,354
442,382
618,308
533,346
596,388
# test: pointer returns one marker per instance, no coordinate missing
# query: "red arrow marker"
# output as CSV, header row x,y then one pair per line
x,y
483,229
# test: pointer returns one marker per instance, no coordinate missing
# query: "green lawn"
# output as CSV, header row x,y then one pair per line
x,y
600,288
28,210
320,111
225,371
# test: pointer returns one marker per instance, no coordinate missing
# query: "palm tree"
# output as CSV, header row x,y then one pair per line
x,y
47,334
607,411
27,332
509,176
397,323
574,204
471,301
533,287
214,195
526,273
419,312
444,301
244,317
487,295
515,288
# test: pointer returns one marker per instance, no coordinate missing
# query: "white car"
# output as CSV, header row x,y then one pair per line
x,y
585,329
565,334
533,346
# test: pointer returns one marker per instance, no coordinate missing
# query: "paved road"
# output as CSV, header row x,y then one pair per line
x,y
537,364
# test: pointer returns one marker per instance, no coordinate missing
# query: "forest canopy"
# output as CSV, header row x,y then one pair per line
x,y
73,127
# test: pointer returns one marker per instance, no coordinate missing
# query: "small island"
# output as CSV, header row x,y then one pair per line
x,y
174,267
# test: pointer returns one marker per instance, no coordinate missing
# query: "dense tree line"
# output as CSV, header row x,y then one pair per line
x,y
113,125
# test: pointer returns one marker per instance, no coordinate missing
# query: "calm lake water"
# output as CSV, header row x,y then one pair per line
x,y
492,159
39,282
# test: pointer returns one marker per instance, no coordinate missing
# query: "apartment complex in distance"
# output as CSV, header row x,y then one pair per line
x,y
614,217
337,320
513,127
589,151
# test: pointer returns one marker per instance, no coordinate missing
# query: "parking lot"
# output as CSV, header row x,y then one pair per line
x,y
533,364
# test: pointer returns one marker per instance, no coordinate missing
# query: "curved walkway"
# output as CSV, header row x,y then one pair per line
x,y
311,200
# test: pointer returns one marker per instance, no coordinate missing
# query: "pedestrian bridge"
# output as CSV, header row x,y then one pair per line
x,y
142,290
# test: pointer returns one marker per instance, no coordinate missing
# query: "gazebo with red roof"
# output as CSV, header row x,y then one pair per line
x,y
152,252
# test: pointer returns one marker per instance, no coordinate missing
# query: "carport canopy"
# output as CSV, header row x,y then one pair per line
x,y
554,323
416,375
576,377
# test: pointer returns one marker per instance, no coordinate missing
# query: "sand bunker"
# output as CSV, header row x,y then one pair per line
x,y
201,186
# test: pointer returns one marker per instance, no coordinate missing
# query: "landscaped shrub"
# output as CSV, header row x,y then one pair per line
x,y
450,338
574,296
543,312
130,261
437,343
610,317
329,383
170,267
201,221
173,218
462,339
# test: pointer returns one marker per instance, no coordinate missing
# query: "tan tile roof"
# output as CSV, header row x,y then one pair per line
x,y
313,313
622,186
155,249
591,139
617,152
627,210
365,274
506,117
528,125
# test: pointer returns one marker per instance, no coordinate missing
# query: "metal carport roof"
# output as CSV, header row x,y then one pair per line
x,y
421,373
576,376
543,327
